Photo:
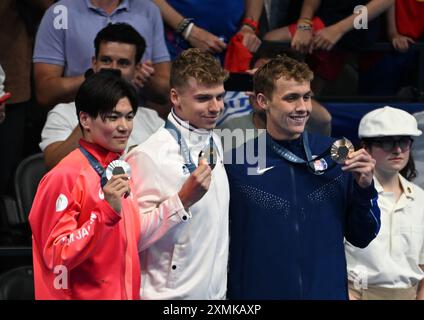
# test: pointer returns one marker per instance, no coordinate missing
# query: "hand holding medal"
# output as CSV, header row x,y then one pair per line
x,y
117,174
210,155
117,167
359,162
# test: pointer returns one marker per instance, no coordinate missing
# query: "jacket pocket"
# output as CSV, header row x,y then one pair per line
x,y
176,266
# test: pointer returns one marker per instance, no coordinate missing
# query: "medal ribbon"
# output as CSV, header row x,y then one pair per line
x,y
96,165
173,130
291,157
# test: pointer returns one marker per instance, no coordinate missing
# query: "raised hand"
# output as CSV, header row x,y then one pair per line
x,y
196,185
205,41
115,189
361,164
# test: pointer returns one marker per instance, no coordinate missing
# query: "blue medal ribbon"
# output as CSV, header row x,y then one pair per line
x,y
291,157
188,161
101,171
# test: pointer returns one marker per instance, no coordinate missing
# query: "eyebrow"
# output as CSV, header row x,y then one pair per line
x,y
207,95
103,57
117,113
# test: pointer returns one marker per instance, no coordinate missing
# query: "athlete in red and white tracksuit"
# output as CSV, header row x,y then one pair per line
x,y
82,247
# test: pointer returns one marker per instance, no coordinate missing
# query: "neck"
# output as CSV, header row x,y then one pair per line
x,y
259,120
280,135
107,5
389,181
186,124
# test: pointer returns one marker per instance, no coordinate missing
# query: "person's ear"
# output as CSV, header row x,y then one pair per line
x,y
93,62
175,98
262,101
84,119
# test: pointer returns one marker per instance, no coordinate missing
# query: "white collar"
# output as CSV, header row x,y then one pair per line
x,y
193,136
407,186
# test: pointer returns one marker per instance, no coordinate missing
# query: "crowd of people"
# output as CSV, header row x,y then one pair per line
x,y
160,187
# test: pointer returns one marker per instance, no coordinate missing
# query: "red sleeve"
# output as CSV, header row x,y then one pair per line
x,y
60,236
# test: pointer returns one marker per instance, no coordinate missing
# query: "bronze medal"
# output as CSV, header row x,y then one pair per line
x,y
340,150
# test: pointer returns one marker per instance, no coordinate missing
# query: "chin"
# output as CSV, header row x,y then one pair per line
x,y
208,126
117,149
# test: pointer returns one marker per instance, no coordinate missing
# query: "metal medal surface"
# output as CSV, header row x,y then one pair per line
x,y
209,153
340,149
118,167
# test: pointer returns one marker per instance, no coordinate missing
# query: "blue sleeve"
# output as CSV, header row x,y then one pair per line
x,y
50,39
363,215
160,51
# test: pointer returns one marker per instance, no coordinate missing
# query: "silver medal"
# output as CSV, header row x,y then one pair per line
x,y
118,167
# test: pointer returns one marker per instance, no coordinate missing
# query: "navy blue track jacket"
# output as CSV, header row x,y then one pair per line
x,y
287,226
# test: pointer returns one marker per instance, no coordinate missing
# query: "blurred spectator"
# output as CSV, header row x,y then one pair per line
x,y
405,25
18,22
117,46
324,23
209,25
3,96
419,150
63,48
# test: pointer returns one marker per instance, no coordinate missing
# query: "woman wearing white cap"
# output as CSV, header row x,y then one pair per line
x,y
391,266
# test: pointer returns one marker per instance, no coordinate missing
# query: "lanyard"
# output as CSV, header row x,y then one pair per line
x,y
291,157
173,130
96,165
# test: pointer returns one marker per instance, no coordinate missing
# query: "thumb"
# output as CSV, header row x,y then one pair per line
x,y
203,161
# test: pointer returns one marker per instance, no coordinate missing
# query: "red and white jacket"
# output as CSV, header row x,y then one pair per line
x,y
82,248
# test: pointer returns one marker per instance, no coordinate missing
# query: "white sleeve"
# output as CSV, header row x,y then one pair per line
x,y
158,212
59,125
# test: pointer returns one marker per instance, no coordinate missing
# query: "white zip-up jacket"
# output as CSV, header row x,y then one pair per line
x,y
189,262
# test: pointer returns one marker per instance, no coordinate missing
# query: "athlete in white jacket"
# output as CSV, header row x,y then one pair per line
x,y
190,262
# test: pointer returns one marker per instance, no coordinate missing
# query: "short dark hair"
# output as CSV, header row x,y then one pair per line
x,y
121,32
99,94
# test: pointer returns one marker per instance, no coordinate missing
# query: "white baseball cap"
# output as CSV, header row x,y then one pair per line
x,y
388,121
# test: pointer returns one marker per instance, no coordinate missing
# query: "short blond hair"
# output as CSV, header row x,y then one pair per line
x,y
281,66
202,66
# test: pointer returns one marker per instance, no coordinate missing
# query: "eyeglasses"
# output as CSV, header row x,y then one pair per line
x,y
388,144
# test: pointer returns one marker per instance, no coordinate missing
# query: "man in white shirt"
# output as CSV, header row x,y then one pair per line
x,y
183,162
392,265
117,46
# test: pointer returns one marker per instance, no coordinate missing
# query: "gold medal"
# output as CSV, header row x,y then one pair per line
x,y
340,150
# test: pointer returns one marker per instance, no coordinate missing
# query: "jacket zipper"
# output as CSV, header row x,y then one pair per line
x,y
296,227
125,252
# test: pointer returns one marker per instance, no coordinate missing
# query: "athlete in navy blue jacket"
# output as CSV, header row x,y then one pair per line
x,y
289,216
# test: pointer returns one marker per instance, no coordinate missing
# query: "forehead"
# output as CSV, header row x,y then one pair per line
x,y
285,86
195,87
123,106
120,49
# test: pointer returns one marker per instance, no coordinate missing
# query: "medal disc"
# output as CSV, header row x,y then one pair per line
x,y
117,167
340,150
209,153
